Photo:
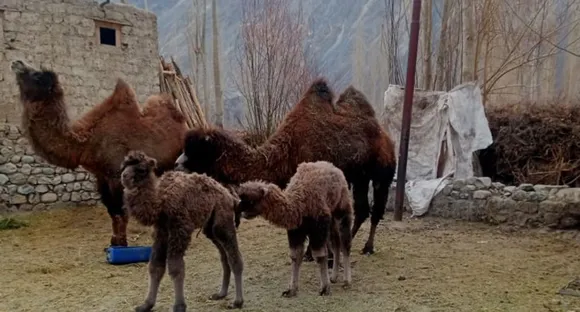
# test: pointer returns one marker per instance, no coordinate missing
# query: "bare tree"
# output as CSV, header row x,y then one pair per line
x,y
440,77
273,67
467,70
395,19
196,42
427,25
219,102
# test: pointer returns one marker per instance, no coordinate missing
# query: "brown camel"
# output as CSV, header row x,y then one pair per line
x,y
347,135
100,139
176,204
315,204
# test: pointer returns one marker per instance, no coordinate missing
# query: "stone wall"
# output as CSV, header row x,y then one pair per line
x,y
27,182
478,199
64,36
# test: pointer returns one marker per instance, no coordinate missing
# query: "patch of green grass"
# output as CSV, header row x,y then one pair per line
x,y
11,224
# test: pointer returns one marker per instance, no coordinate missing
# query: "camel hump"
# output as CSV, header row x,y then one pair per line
x,y
320,89
124,96
354,99
162,105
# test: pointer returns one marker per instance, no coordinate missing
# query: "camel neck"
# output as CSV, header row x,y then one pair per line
x,y
265,162
280,209
49,133
143,202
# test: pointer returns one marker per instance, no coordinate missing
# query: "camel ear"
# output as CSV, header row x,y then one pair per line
x,y
263,191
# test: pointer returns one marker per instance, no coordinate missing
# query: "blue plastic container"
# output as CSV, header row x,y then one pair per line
x,y
126,255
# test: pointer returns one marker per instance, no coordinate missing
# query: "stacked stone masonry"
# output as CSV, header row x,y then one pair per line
x,y
27,182
63,35
526,205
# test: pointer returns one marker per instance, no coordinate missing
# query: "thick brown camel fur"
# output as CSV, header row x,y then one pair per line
x,y
315,204
100,139
176,204
346,134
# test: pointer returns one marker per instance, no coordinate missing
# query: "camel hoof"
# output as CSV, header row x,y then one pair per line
x,y
118,241
236,305
179,307
217,296
346,285
368,250
325,291
146,307
289,293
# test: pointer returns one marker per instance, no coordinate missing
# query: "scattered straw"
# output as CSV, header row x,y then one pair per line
x,y
11,224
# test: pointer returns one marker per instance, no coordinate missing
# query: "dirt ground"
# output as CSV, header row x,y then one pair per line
x,y
57,263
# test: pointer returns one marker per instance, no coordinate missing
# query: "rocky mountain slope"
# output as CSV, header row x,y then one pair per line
x,y
332,24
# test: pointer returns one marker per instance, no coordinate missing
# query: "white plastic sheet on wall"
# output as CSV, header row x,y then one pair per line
x,y
455,119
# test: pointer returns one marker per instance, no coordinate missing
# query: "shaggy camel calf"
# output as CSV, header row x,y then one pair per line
x,y
315,204
175,205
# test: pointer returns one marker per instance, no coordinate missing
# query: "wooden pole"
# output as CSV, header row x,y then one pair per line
x,y
407,110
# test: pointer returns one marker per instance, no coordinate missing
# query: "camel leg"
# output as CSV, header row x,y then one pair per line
x,y
296,240
176,268
122,233
156,266
228,240
381,184
114,203
345,245
308,254
226,273
361,205
335,246
319,236
177,245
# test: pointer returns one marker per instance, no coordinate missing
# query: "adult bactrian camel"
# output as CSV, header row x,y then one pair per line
x,y
346,134
100,139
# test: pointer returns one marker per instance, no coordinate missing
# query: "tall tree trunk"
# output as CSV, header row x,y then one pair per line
x,y
219,104
204,62
468,42
489,13
486,65
427,27
439,82
539,61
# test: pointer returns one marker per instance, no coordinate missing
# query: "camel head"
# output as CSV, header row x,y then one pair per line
x,y
252,198
36,85
137,169
201,149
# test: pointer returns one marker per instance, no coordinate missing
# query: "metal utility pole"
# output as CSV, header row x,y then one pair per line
x,y
407,109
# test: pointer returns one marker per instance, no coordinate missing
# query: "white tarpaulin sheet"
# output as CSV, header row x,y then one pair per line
x,y
451,122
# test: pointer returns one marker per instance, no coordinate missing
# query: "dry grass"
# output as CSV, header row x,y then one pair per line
x,y
57,263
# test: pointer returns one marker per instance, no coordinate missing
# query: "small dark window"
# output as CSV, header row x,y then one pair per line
x,y
108,36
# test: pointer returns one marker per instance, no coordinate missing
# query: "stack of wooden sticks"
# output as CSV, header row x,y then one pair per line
x,y
181,89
